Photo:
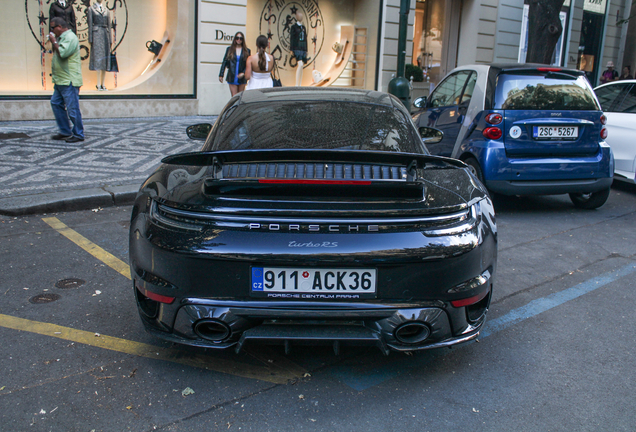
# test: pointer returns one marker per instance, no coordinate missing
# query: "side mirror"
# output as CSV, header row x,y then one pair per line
x,y
430,135
199,131
420,102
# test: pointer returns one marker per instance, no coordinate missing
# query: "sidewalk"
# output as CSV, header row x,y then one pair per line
x,y
41,175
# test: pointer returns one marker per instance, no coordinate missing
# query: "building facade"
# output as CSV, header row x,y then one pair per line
x,y
169,52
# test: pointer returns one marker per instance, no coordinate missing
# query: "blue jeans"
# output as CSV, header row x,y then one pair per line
x,y
65,105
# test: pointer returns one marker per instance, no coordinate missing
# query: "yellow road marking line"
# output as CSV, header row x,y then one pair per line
x,y
107,258
287,369
274,374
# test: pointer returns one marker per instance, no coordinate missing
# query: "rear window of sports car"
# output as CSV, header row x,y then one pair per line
x,y
543,92
315,125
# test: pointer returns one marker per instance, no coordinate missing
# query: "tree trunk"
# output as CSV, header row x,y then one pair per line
x,y
544,30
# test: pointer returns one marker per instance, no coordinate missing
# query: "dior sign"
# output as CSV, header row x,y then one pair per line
x,y
221,35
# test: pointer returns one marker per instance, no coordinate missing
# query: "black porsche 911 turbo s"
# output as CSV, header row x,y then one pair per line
x,y
313,216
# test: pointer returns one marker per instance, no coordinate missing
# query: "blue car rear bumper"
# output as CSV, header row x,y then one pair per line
x,y
546,175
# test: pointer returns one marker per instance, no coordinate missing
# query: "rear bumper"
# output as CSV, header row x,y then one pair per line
x,y
546,187
277,323
546,175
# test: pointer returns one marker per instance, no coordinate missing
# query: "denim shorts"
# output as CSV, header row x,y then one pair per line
x,y
301,56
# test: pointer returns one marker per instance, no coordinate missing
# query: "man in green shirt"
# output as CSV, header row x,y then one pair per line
x,y
66,70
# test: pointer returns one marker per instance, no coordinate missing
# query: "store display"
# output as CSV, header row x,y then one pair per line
x,y
65,10
99,36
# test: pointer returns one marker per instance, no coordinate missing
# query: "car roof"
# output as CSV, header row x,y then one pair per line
x,y
627,81
499,67
317,94
514,66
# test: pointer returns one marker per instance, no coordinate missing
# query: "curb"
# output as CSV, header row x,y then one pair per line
x,y
72,200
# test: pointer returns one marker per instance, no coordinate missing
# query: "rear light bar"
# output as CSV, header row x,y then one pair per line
x,y
547,69
493,133
316,182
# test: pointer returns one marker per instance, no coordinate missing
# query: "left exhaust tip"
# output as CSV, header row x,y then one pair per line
x,y
412,333
212,330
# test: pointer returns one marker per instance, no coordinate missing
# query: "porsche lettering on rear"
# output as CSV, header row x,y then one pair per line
x,y
314,228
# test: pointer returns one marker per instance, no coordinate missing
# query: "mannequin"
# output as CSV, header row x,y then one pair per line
x,y
298,45
65,10
99,37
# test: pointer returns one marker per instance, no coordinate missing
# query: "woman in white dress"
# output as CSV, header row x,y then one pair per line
x,y
259,67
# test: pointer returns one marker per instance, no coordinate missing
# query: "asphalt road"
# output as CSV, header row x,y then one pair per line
x,y
557,353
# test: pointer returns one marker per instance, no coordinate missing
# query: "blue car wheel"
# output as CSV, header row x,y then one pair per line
x,y
590,201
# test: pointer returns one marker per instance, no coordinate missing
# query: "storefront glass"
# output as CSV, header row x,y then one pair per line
x,y
341,39
128,27
428,37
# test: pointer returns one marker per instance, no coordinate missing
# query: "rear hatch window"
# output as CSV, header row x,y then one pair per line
x,y
548,114
316,125
544,91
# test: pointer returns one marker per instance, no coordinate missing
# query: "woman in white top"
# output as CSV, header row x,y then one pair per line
x,y
259,67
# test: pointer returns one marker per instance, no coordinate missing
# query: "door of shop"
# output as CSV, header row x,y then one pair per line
x,y
436,33
591,42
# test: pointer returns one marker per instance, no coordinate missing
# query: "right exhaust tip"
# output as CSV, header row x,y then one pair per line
x,y
412,333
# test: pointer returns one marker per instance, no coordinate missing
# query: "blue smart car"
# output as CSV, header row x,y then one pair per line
x,y
522,129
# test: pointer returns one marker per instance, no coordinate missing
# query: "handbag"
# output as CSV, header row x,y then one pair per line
x,y
114,67
154,47
276,76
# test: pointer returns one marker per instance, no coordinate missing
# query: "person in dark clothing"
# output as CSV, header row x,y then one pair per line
x,y
627,73
65,10
235,60
298,45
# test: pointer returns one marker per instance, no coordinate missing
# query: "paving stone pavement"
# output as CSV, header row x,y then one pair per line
x,y
38,174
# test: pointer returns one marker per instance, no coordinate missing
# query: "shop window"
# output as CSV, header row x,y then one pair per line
x,y
341,40
129,28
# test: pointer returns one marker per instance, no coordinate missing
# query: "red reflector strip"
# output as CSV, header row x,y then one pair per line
x,y
469,301
315,182
156,297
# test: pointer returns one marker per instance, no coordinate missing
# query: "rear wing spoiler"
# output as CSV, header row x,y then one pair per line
x,y
219,158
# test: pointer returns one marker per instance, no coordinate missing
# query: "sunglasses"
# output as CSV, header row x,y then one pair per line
x,y
238,38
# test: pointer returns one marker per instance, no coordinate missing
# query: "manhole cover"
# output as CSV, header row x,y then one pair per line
x,y
44,298
4,136
69,283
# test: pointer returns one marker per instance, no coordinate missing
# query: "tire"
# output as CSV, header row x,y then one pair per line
x,y
590,201
475,168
